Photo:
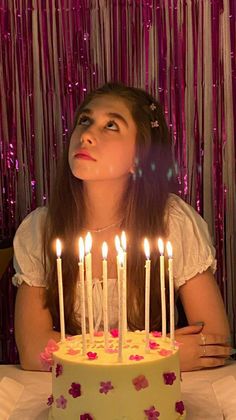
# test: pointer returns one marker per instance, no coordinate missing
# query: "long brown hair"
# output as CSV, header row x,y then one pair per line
x,y
143,211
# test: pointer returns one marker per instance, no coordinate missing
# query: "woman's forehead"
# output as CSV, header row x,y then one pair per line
x,y
109,103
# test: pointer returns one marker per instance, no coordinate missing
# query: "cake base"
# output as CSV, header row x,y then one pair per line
x,y
96,386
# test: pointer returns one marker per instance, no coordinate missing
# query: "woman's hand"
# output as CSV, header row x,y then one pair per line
x,y
201,350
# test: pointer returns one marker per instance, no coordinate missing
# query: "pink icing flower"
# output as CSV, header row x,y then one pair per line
x,y
91,355
156,334
179,407
61,402
50,400
72,352
75,390
46,355
105,387
135,357
86,416
164,352
153,345
98,333
52,345
59,369
152,413
140,382
114,332
169,378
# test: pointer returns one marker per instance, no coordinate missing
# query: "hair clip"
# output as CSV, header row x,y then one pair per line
x,y
153,107
154,124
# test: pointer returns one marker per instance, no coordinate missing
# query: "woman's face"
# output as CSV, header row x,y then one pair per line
x,y
102,145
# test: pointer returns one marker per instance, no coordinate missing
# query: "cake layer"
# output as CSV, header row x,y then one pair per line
x,y
96,386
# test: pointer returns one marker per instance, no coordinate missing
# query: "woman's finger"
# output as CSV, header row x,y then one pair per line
x,y
212,339
212,350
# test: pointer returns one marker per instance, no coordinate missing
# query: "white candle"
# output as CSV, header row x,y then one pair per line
x,y
162,281
121,306
123,244
60,289
147,293
89,283
171,293
118,248
82,294
105,294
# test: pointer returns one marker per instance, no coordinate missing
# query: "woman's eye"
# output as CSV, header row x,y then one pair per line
x,y
111,125
84,121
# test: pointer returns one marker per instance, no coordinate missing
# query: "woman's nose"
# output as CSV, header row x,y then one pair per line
x,y
88,137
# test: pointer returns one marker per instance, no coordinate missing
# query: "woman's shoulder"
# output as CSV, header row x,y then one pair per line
x,y
34,219
178,208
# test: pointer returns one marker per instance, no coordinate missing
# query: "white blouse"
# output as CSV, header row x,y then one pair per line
x,y
188,234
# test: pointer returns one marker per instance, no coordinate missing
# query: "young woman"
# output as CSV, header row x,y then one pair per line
x,y
117,174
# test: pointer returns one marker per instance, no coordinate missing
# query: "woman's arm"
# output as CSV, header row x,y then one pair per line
x,y
33,326
202,301
207,345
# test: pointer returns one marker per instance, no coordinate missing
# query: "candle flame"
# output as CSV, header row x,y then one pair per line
x,y
121,257
81,249
104,250
88,243
123,240
160,246
169,249
117,243
58,248
147,248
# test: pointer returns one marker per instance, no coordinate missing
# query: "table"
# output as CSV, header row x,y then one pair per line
x,y
208,394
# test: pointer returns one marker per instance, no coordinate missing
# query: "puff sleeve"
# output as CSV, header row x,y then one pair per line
x,y
192,245
28,256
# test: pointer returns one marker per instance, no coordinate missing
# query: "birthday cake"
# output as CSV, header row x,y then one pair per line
x,y
145,385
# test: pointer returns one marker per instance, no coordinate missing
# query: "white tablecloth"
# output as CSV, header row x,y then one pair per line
x,y
208,394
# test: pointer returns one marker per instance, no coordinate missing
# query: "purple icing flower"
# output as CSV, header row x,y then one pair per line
x,y
86,416
114,332
105,387
169,378
59,369
179,407
156,334
140,382
92,355
153,345
75,390
50,400
152,413
135,357
61,402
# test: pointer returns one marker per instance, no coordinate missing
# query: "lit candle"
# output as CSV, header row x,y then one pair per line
x,y
121,306
82,293
60,289
89,283
147,292
105,294
118,248
123,244
171,293
162,281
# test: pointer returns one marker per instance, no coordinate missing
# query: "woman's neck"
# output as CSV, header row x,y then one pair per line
x,y
102,202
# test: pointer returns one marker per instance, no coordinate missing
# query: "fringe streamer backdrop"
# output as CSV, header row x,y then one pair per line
x,y
54,51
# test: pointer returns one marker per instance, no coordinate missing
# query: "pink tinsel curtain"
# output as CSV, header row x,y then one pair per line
x,y
53,51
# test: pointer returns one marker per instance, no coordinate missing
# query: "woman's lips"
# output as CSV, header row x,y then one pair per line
x,y
84,155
